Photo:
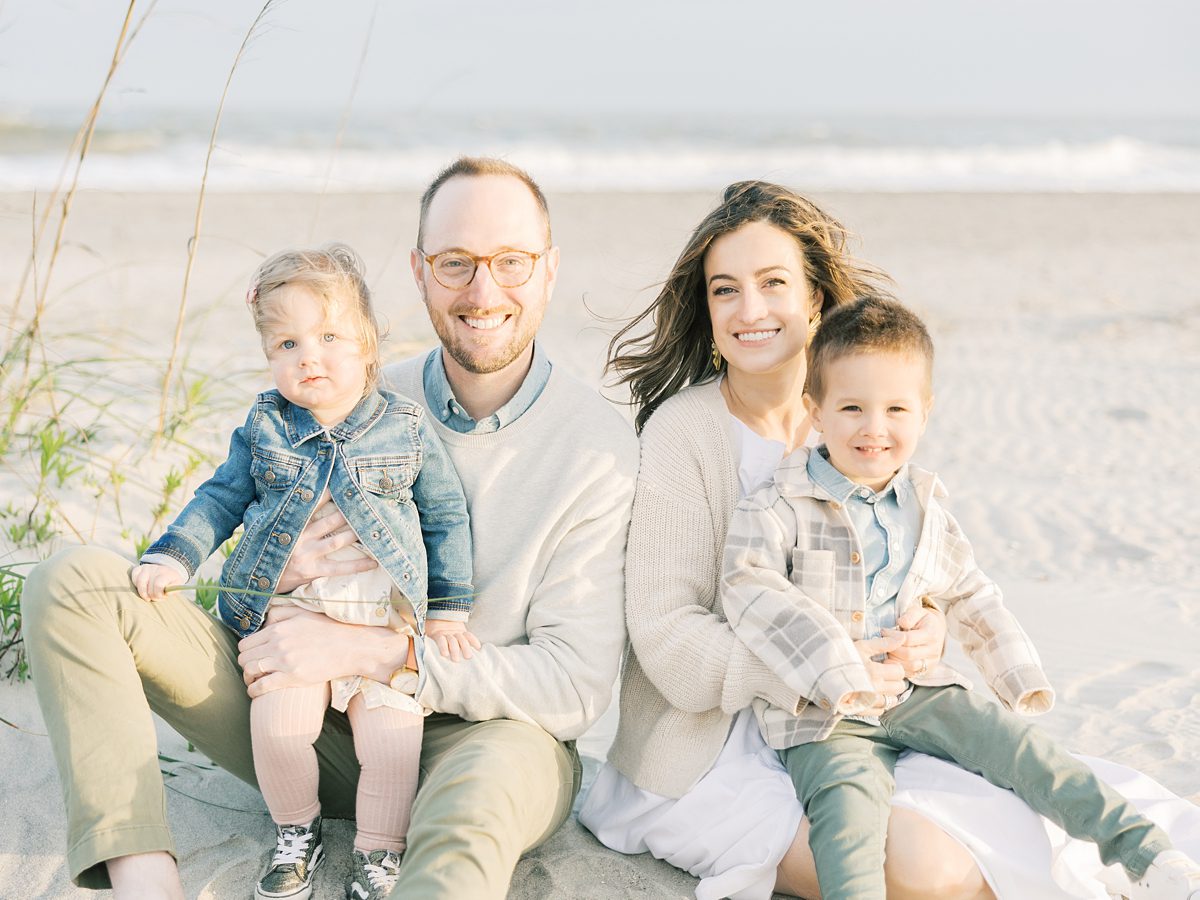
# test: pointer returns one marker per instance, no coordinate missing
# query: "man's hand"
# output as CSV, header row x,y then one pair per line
x,y
923,638
886,676
297,647
152,581
325,532
452,638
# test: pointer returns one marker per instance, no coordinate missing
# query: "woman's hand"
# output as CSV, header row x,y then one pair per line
x,y
886,676
325,532
923,639
297,647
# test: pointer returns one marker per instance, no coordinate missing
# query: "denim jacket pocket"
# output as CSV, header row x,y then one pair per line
x,y
274,471
386,475
813,572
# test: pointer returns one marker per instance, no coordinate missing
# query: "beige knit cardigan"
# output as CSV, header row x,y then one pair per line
x,y
685,673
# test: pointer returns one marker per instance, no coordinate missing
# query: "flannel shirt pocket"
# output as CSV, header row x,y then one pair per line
x,y
813,572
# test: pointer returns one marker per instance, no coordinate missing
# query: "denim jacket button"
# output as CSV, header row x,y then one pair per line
x,y
244,621
263,583
385,483
349,494
285,539
268,476
306,495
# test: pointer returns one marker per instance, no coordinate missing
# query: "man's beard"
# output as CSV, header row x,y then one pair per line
x,y
469,357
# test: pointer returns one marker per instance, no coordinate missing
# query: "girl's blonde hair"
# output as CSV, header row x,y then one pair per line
x,y
334,274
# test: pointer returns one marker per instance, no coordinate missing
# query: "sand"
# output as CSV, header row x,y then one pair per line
x,y
1068,335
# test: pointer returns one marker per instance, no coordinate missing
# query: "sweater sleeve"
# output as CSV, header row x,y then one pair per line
x,y
684,645
561,679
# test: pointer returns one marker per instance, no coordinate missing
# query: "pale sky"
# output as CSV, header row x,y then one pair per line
x,y
692,57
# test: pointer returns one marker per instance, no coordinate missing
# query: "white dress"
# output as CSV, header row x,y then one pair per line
x,y
734,826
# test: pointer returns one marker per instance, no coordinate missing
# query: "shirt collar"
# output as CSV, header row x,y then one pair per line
x,y
823,474
450,412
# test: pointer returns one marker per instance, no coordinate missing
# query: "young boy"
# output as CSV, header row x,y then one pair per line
x,y
845,539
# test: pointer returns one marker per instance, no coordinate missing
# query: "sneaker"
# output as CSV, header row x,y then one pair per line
x,y
1172,876
375,874
298,854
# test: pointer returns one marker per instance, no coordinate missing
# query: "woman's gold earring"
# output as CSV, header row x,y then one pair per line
x,y
813,324
716,357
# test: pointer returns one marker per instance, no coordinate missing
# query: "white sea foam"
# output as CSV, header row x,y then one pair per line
x,y
621,155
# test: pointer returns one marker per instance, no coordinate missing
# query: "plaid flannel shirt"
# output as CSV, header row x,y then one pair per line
x,y
794,590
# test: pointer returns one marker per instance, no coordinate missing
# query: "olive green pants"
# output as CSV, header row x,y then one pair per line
x,y
845,783
102,659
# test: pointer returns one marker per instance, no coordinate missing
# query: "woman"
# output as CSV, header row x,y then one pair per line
x,y
718,382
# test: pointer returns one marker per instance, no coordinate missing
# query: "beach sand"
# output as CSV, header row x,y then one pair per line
x,y
1068,340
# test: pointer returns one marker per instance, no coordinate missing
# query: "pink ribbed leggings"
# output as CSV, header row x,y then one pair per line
x,y
283,725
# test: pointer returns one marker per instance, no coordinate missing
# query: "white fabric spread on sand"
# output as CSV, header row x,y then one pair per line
x,y
734,826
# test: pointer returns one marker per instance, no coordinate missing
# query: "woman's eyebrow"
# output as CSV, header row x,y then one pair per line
x,y
758,274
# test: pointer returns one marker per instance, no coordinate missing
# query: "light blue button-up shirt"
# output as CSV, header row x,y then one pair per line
x,y
450,412
888,525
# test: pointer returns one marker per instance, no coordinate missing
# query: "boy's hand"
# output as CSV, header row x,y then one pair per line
x,y
924,632
152,581
452,638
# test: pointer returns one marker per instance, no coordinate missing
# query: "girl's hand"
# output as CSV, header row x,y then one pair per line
x,y
886,676
297,647
452,638
325,532
923,634
152,581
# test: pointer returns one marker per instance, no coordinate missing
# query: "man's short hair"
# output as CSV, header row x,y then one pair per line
x,y
869,325
474,166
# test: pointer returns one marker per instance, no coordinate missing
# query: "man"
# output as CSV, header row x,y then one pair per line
x,y
548,469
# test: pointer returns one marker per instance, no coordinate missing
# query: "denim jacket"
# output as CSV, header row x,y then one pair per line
x,y
387,472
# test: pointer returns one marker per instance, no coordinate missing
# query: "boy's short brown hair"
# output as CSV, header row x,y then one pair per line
x,y
869,325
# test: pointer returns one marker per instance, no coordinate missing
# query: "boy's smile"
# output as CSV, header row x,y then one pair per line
x,y
873,413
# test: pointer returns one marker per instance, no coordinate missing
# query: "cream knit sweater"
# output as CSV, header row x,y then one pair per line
x,y
685,673
549,497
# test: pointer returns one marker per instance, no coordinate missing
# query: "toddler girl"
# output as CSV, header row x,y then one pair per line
x,y
329,433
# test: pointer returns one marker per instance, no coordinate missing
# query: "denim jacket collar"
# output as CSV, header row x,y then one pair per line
x,y
301,424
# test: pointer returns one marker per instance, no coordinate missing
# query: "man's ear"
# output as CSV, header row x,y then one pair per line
x,y
417,261
551,258
814,411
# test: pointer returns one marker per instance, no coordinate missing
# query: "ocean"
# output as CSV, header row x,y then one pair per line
x,y
392,150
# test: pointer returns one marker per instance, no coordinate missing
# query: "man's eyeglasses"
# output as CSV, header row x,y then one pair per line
x,y
455,269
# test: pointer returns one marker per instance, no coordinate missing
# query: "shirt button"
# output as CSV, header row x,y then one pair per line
x,y
855,557
375,534
244,621
857,616
285,539
406,576
263,583
381,611
835,505
306,495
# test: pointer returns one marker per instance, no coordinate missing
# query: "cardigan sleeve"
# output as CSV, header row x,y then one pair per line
x,y
682,641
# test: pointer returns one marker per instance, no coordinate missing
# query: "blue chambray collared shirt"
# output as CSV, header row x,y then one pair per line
x,y
445,406
888,525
